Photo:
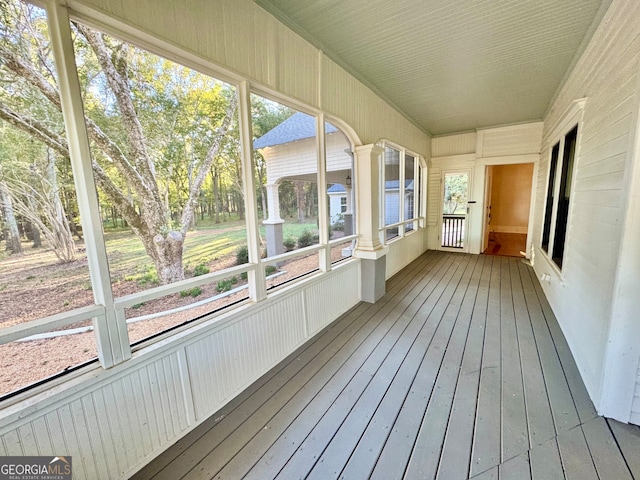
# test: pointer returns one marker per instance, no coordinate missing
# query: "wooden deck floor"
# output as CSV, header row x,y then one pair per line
x,y
459,371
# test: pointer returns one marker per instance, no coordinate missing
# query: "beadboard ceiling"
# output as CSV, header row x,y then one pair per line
x,y
451,65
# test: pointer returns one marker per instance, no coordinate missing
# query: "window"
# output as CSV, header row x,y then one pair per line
x,y
546,231
168,168
43,253
399,180
409,188
556,219
166,214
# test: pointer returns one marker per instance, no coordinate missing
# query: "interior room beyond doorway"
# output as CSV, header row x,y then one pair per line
x,y
507,205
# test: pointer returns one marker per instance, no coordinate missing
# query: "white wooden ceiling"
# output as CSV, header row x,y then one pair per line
x,y
451,65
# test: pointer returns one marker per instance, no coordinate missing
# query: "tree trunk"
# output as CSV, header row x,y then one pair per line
x,y
263,198
13,239
169,250
61,227
216,196
300,200
37,240
35,231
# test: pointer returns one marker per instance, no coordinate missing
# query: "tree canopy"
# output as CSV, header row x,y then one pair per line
x,y
156,128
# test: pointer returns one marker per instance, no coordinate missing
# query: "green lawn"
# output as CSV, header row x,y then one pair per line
x,y
208,244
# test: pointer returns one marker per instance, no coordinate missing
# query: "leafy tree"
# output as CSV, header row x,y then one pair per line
x,y
455,193
156,128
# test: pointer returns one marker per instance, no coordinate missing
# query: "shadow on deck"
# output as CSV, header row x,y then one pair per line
x,y
459,371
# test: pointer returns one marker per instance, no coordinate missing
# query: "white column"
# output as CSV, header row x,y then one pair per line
x,y
112,339
367,178
273,204
368,246
273,225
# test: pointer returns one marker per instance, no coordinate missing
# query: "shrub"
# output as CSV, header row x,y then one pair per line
x,y
289,244
269,269
224,285
192,292
200,269
306,238
242,255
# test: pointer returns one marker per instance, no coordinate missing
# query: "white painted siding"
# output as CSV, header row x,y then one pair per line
x,y
243,39
114,421
335,205
458,144
509,141
474,151
607,75
300,158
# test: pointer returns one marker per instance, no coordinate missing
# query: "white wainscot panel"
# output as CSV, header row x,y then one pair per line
x,y
229,359
112,422
107,430
403,251
326,300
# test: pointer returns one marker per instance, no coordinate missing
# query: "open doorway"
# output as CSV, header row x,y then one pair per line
x,y
507,207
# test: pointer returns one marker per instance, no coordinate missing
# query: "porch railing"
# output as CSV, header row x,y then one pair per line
x,y
453,231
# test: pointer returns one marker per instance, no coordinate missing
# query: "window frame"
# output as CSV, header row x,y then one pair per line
x,y
419,191
107,312
570,121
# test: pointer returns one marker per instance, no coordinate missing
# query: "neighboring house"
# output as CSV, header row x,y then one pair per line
x,y
290,152
392,201
337,202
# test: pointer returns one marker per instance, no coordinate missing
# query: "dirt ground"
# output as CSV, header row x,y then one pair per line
x,y
33,286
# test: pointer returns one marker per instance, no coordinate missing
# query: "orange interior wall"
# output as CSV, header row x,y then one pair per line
x,y
511,197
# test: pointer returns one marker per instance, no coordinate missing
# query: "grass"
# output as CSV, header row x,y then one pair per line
x,y
128,259
204,246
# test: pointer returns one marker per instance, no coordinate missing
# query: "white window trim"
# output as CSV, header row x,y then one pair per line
x,y
419,205
107,312
572,117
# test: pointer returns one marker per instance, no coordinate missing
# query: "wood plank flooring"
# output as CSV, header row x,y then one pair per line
x,y
460,371
507,244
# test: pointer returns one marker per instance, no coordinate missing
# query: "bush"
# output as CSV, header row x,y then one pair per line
x,y
224,285
242,255
200,269
289,244
192,292
307,238
269,269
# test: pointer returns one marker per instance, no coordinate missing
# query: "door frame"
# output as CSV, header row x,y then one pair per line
x,y
467,229
481,171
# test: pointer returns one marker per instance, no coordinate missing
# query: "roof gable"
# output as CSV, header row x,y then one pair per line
x,y
297,127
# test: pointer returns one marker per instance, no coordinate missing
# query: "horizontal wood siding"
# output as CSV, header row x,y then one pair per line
x,y
507,141
240,37
607,75
114,421
459,144
301,158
